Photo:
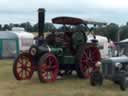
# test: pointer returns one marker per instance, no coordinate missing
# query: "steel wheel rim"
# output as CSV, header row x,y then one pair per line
x,y
88,60
24,69
49,69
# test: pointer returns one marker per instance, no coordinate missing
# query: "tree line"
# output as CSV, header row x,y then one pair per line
x,y
27,26
110,31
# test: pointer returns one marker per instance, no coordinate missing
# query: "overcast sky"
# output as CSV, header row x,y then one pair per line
x,y
17,11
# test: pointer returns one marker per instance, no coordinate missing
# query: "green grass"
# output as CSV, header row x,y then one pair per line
x,y
70,86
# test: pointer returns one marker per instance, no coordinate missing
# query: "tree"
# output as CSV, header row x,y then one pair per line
x,y
0,27
62,28
12,25
126,23
35,28
111,31
6,27
101,30
27,26
49,27
123,32
80,27
16,25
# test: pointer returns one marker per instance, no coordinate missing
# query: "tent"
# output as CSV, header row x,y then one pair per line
x,y
13,42
124,41
102,43
26,39
8,44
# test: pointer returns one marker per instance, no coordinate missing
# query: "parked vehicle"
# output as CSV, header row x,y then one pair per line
x,y
68,50
116,68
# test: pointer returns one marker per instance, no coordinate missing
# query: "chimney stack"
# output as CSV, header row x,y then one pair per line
x,y
41,21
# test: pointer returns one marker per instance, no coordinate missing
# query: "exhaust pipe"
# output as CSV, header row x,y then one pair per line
x,y
41,22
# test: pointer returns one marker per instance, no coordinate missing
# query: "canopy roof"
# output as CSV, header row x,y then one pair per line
x,y
94,22
15,35
23,34
8,35
67,20
98,37
74,21
124,41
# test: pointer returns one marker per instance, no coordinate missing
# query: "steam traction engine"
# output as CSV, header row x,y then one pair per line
x,y
68,50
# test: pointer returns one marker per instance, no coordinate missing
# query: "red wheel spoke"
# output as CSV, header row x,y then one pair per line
x,y
52,61
29,74
20,61
85,54
44,67
19,71
26,62
28,70
84,61
30,67
25,73
45,74
22,73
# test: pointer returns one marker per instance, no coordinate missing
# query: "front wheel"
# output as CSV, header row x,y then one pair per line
x,y
23,67
48,68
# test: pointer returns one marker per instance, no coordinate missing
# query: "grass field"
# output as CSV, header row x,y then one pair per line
x,y
70,86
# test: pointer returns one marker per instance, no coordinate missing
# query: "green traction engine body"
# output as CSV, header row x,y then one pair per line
x,y
67,51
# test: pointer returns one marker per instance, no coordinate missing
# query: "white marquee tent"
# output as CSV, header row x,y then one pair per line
x,y
12,42
124,41
26,39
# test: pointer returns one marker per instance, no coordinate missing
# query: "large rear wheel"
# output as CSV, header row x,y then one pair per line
x,y
87,57
23,67
48,68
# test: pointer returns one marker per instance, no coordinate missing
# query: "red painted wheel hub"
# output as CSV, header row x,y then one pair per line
x,y
49,68
23,68
88,60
